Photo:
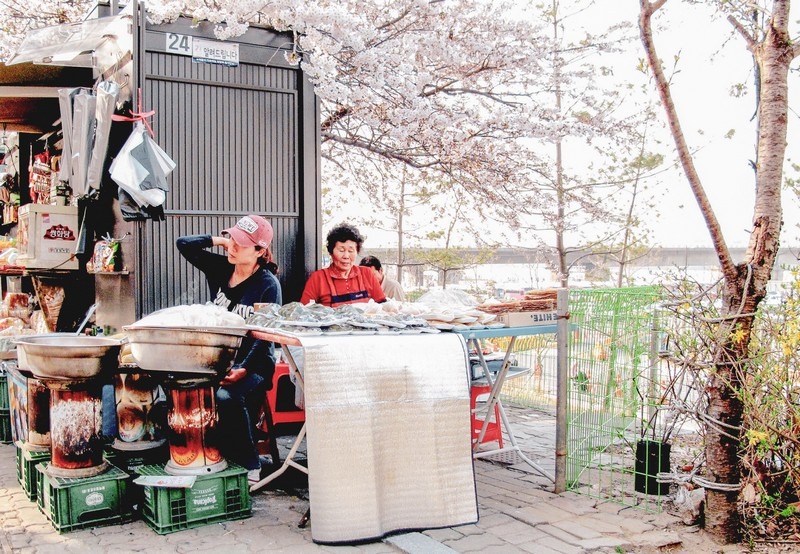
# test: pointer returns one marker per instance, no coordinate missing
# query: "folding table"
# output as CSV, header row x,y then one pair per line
x,y
473,338
298,378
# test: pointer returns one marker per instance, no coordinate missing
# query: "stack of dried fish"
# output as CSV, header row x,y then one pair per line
x,y
533,301
351,319
370,318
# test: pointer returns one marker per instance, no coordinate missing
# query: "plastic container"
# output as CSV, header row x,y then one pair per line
x,y
78,503
4,404
130,461
5,427
218,497
27,475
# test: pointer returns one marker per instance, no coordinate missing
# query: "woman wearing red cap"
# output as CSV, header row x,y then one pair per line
x,y
237,281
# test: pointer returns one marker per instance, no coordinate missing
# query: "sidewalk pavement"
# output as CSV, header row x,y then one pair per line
x,y
519,513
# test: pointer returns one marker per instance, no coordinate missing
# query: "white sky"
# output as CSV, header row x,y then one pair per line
x,y
709,66
712,60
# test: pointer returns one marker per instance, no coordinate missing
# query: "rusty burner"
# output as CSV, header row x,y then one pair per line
x,y
192,419
75,429
139,420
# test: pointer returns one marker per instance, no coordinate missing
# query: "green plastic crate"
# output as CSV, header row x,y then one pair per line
x,y
18,446
130,461
222,496
5,427
26,469
4,402
78,503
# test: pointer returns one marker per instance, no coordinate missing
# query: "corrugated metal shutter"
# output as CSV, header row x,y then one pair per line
x,y
235,136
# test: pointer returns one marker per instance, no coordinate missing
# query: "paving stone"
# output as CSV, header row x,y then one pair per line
x,y
541,513
513,532
658,538
633,525
443,535
554,543
535,547
605,542
493,519
604,526
574,504
475,543
559,533
418,543
576,528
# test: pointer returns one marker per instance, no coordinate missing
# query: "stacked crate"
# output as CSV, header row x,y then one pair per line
x,y
27,460
5,412
221,496
78,503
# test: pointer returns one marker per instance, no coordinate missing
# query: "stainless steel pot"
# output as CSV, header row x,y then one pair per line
x,y
195,350
67,356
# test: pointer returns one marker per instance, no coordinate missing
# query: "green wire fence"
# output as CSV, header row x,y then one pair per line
x,y
616,413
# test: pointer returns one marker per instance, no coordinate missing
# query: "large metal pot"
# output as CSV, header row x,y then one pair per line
x,y
195,350
67,356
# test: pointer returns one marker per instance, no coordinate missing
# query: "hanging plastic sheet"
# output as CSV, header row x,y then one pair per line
x,y
77,43
141,169
107,94
84,107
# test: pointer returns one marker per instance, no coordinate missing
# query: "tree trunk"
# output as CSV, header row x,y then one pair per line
x,y
745,284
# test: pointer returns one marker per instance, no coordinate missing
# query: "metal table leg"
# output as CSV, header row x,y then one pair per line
x,y
494,400
289,461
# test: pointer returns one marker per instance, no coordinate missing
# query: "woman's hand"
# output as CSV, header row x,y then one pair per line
x,y
234,375
224,242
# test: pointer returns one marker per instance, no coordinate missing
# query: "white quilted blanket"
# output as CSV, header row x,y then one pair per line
x,y
388,435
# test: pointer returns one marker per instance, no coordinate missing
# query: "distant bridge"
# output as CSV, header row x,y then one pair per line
x,y
683,257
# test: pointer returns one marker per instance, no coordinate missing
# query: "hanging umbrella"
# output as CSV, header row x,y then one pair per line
x,y
84,108
65,96
107,93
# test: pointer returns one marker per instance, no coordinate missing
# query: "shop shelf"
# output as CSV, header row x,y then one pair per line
x,y
26,469
78,503
5,427
222,496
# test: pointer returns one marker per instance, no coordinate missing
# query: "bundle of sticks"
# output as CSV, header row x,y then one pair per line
x,y
533,301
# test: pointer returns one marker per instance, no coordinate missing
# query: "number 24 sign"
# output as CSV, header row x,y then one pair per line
x,y
179,44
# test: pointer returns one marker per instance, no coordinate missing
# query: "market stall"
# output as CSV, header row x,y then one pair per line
x,y
388,436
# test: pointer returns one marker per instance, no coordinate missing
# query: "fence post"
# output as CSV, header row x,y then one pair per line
x,y
562,383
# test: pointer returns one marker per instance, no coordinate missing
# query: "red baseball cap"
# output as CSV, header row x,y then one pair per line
x,y
251,230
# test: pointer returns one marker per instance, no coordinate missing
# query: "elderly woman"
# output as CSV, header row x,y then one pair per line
x,y
343,282
238,280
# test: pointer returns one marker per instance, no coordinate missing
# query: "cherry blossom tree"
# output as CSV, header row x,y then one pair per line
x,y
19,17
762,27
463,92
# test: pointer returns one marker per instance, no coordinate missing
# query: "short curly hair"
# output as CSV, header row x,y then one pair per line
x,y
342,233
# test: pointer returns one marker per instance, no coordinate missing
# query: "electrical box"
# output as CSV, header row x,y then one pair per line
x,y
47,236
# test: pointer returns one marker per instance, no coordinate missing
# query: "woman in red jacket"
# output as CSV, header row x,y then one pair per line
x,y
343,282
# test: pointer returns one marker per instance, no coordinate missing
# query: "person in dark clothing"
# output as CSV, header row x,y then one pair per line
x,y
237,281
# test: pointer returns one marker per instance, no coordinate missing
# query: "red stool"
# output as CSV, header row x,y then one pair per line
x,y
281,380
493,430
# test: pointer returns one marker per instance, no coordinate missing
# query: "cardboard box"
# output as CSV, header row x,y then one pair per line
x,y
47,236
527,319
